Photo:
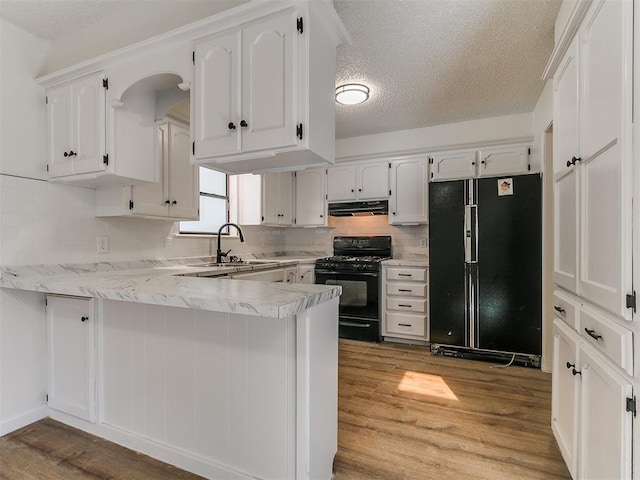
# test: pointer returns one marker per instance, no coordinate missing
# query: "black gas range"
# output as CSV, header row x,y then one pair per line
x,y
356,266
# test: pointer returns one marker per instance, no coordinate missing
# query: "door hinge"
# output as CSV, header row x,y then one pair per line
x,y
105,83
105,159
46,100
389,192
431,174
46,301
299,131
47,167
130,204
300,25
294,221
631,405
430,160
193,148
47,397
326,197
389,164
528,151
295,174
262,218
529,167
631,301
193,57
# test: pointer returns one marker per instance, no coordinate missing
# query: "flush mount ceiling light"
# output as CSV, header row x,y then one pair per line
x,y
351,94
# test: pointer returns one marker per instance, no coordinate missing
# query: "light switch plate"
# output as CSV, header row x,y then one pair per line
x,y
102,244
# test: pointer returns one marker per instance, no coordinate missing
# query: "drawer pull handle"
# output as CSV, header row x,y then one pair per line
x,y
570,365
405,290
405,325
593,334
404,305
405,274
559,309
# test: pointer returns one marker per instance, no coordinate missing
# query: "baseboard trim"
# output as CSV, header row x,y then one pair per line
x,y
15,423
173,456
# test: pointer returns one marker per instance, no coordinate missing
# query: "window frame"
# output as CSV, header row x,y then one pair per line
x,y
209,195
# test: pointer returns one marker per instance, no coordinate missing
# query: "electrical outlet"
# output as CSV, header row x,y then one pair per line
x,y
102,244
423,243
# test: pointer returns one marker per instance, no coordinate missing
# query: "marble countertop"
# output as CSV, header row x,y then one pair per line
x,y
172,283
409,262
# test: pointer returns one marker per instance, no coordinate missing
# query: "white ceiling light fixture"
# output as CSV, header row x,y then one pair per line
x,y
351,94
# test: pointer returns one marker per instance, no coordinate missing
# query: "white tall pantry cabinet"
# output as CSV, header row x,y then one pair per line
x,y
593,399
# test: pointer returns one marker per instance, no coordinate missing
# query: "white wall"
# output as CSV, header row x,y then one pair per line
x,y
542,119
439,137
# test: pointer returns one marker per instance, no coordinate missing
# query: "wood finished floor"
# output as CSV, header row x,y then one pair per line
x,y
403,414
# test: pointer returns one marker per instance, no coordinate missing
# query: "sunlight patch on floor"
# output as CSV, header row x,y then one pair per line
x,y
425,384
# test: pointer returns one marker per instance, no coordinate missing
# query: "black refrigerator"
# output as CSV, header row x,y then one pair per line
x,y
485,268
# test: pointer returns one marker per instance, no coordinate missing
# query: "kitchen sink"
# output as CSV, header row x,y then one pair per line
x,y
231,264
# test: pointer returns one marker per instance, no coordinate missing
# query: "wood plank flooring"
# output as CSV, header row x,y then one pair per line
x,y
403,414
406,414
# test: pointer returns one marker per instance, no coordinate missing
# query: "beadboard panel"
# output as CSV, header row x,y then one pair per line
x,y
189,379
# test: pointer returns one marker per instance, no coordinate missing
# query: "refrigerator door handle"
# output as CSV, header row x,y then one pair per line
x,y
470,234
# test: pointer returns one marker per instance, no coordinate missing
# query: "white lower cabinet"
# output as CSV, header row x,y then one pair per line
x,y
71,354
404,299
306,273
592,409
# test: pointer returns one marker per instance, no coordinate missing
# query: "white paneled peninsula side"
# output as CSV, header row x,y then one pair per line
x,y
221,377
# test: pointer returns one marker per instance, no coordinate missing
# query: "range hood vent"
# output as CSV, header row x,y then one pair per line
x,y
359,209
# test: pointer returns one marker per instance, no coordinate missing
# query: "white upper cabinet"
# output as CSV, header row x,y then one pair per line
x,y
257,106
311,206
76,127
593,170
175,196
409,191
486,162
277,199
363,180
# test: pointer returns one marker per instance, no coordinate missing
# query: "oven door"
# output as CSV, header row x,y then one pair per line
x,y
359,302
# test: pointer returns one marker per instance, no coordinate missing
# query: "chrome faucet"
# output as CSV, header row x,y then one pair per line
x,y
219,253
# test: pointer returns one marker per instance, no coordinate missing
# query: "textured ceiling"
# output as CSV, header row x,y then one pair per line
x,y
427,62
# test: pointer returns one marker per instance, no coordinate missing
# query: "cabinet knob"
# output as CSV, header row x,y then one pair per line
x,y
232,126
359,189
84,319
175,202
576,372
167,202
352,190
473,163
243,124
573,161
321,216
72,153
570,365
394,213
66,154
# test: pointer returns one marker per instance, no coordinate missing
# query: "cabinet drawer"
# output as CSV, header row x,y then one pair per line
x,y
407,289
612,339
567,308
407,304
401,273
406,323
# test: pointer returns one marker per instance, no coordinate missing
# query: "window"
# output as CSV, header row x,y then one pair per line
x,y
214,203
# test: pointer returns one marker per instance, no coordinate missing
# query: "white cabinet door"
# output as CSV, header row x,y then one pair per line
x,y
341,183
71,351
277,198
76,127
565,231
151,198
249,199
291,275
503,161
605,428
306,273
286,198
268,80
217,96
373,180
409,191
565,393
311,206
183,177
565,115
606,170
453,165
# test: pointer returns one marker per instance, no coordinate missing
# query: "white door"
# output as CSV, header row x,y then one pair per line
x,y
269,83
565,115
606,170
409,191
310,197
605,433
453,165
70,324
183,176
271,198
152,198
565,230
217,96
89,134
373,180
341,183
285,182
59,131
565,394
503,161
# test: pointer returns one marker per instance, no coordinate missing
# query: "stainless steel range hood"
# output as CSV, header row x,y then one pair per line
x,y
357,209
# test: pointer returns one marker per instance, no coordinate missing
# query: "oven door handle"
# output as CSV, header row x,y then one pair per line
x,y
353,324
334,274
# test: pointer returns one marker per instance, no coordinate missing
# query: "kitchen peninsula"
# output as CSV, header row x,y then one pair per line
x,y
225,378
